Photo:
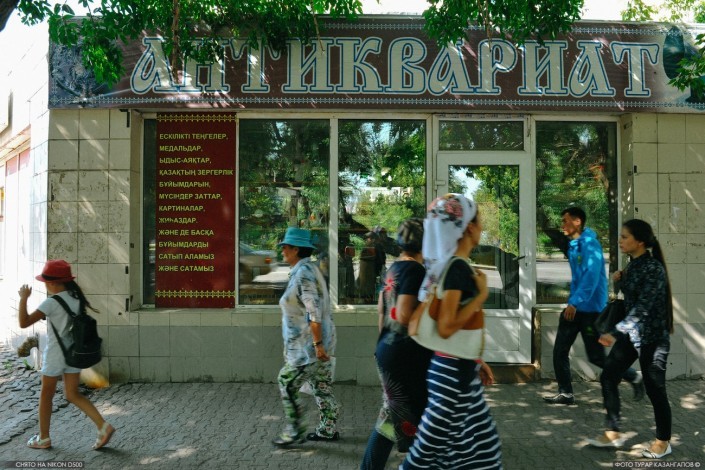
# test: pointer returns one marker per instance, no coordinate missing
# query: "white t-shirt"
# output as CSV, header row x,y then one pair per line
x,y
57,316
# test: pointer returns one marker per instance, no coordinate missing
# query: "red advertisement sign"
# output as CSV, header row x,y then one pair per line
x,y
195,189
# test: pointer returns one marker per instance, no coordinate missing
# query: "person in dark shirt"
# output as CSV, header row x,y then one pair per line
x,y
643,334
402,363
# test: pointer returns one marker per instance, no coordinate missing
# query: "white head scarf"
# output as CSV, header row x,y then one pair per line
x,y
446,220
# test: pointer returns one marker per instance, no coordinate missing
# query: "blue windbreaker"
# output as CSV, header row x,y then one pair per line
x,y
588,285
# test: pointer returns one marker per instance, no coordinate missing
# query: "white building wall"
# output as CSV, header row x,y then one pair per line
x,y
88,224
663,182
669,192
26,88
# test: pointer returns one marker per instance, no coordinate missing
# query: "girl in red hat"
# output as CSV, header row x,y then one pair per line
x,y
59,281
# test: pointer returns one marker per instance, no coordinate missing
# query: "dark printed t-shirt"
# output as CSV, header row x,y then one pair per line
x,y
403,278
459,277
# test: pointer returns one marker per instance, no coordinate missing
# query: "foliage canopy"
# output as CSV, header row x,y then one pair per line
x,y
193,29
190,28
447,20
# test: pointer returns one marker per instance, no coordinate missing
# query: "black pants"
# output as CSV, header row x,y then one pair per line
x,y
567,333
653,359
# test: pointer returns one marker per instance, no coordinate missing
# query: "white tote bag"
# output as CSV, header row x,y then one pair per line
x,y
466,344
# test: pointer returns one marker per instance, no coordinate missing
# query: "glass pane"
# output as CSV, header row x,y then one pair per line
x,y
482,135
284,175
495,188
382,181
575,166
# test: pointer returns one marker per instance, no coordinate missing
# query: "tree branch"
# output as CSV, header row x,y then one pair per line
x,y
6,9
176,51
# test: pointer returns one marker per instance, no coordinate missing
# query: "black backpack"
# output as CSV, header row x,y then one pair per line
x,y
85,350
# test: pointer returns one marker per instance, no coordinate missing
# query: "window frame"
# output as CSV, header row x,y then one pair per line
x,y
333,119
432,139
534,120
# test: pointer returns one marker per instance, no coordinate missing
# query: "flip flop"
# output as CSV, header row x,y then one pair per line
x,y
35,442
104,435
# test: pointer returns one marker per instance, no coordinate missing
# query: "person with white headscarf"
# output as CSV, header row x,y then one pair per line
x,y
456,429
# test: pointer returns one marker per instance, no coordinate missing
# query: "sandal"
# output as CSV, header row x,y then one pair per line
x,y
649,454
104,434
35,442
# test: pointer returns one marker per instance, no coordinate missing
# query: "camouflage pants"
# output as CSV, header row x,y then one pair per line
x,y
318,375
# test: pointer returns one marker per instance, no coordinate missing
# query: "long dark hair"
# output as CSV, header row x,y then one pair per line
x,y
75,291
643,232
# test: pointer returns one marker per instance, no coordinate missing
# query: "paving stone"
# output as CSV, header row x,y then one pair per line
x,y
229,426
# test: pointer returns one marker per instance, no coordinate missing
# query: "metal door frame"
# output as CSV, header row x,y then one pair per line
x,y
525,160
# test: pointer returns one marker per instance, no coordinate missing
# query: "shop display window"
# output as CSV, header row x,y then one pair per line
x,y
283,172
381,182
576,164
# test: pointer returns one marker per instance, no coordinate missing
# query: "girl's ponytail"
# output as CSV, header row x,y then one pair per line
x,y
75,291
658,254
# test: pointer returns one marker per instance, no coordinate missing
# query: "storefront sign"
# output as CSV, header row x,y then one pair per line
x,y
389,62
195,192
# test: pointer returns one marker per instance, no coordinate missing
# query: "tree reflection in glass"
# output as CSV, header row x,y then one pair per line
x,y
283,174
382,181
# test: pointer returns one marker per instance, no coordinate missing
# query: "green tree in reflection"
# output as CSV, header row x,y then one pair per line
x,y
482,135
498,198
574,167
283,177
382,173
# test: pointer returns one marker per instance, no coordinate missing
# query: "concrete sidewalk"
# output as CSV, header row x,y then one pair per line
x,y
230,425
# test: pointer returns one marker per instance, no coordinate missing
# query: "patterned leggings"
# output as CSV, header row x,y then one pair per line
x,y
319,376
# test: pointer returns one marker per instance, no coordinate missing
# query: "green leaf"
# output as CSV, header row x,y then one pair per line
x,y
196,33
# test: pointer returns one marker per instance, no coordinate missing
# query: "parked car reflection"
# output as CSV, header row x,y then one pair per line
x,y
255,263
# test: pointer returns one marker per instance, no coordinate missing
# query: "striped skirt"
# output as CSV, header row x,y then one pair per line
x,y
456,431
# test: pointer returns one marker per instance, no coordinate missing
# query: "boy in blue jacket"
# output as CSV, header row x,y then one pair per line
x,y
588,297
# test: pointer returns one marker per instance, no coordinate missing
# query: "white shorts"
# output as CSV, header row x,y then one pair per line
x,y
54,365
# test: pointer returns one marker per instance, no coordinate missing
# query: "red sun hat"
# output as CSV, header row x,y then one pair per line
x,y
56,270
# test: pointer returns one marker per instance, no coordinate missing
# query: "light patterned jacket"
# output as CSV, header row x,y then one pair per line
x,y
305,300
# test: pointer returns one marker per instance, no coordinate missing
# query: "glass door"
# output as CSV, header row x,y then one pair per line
x,y
501,183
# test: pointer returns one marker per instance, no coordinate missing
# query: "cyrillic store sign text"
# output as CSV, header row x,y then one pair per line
x,y
380,62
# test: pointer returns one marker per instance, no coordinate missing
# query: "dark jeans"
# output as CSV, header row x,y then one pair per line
x,y
567,333
653,359
377,452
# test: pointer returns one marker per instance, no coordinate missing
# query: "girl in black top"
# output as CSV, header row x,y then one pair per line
x,y
643,334
401,362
